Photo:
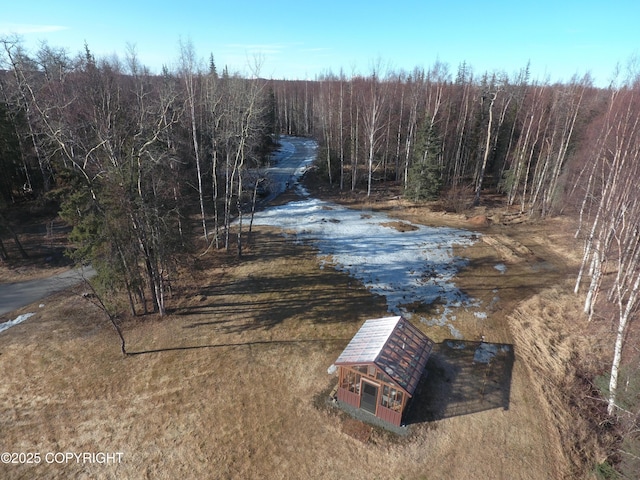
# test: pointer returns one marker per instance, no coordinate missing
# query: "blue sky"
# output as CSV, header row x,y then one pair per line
x,y
301,39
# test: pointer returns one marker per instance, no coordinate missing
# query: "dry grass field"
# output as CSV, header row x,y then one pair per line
x,y
232,383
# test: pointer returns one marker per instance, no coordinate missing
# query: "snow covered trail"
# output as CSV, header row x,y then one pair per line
x,y
416,264
289,163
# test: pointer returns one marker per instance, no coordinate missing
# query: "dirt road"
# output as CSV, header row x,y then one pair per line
x,y
16,295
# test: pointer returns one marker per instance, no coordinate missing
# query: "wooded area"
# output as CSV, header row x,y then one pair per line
x,y
127,155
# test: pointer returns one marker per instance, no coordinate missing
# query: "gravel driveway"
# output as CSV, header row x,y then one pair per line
x,y
17,295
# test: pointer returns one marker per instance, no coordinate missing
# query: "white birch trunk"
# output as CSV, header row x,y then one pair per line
x,y
617,350
485,157
595,282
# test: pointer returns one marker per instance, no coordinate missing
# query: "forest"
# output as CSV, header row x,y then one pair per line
x,y
129,157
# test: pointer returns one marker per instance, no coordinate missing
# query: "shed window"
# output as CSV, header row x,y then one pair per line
x,y
392,398
351,381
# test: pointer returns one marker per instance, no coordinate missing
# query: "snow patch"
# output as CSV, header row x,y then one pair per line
x,y
501,267
414,265
486,351
19,319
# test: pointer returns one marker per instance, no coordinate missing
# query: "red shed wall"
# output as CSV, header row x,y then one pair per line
x,y
389,415
351,398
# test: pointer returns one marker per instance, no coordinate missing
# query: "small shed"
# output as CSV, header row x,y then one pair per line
x,y
381,366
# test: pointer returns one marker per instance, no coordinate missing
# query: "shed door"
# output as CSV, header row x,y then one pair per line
x,y
369,397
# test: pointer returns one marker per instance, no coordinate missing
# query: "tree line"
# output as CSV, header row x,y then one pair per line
x,y
436,133
133,157
130,156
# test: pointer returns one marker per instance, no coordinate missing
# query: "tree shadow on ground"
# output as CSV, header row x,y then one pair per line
x,y
266,301
265,343
281,281
461,378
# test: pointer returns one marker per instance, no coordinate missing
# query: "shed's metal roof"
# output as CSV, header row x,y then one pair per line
x,y
394,345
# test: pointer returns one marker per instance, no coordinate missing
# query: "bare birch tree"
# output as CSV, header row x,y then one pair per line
x,y
373,106
190,75
612,243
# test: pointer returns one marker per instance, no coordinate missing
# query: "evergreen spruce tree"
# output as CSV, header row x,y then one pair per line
x,y
213,71
425,173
